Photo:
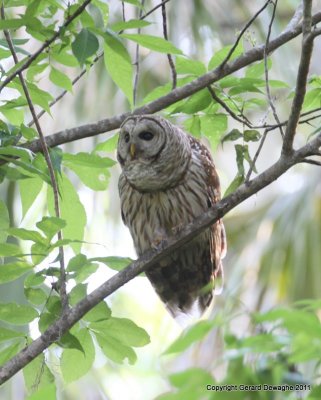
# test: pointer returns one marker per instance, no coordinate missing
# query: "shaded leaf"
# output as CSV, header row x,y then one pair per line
x,y
84,46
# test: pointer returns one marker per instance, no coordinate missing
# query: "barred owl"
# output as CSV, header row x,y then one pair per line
x,y
168,179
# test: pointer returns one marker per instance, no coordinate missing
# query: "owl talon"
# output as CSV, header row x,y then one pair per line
x,y
177,229
158,243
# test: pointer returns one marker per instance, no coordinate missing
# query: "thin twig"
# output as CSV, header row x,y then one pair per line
x,y
301,83
123,11
297,16
154,9
230,53
46,44
313,162
266,70
170,59
45,150
137,60
227,109
256,156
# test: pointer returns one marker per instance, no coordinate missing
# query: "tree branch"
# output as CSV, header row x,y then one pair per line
x,y
153,256
169,56
266,70
45,45
105,125
300,90
45,150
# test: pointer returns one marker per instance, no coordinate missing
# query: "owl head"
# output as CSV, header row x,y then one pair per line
x,y
153,153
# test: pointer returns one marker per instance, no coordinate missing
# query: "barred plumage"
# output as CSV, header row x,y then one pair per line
x,y
168,179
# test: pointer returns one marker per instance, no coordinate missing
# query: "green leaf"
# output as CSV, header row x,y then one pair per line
x,y
122,329
193,334
15,117
72,211
233,135
17,314
213,126
29,191
9,250
101,312
220,55
108,146
37,375
154,43
25,154
83,360
88,160
193,125
119,65
114,349
69,341
47,392
192,377
12,23
312,99
39,252
12,271
8,334
28,133
195,103
62,56
240,158
9,352
116,263
84,46
185,65
251,135
237,181
60,79
34,279
26,234
36,296
130,24
40,97
257,69
50,226
4,221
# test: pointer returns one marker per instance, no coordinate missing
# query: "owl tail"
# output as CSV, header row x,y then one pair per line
x,y
186,317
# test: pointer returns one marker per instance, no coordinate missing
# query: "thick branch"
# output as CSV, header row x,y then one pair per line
x,y
46,44
302,77
151,257
105,125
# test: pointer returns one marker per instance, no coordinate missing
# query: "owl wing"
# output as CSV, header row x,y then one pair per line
x,y
217,231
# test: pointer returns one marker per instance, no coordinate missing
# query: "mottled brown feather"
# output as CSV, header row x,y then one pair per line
x,y
168,185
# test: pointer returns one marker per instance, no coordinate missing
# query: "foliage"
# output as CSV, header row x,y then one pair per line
x,y
277,347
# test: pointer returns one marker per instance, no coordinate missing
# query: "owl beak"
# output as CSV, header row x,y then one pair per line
x,y
132,150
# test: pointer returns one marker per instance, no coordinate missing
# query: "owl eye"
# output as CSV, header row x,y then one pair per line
x,y
126,137
146,135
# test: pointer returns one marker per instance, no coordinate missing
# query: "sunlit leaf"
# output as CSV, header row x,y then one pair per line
x,y
119,65
17,314
153,43
13,270
72,357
